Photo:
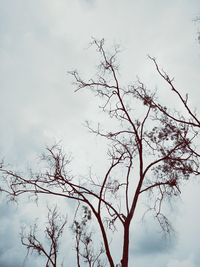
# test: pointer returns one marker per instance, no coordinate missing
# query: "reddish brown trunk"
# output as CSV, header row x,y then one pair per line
x,y
124,261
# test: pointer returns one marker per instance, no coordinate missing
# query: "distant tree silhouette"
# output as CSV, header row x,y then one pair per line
x,y
53,232
197,19
151,150
84,242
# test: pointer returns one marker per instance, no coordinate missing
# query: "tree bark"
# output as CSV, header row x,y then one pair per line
x,y
125,256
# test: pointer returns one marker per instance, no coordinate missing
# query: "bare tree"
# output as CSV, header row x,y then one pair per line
x,y
85,245
53,233
150,150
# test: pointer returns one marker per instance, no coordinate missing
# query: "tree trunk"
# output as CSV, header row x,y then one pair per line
x,y
124,260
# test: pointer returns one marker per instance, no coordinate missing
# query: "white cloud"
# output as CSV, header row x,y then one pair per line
x,y
182,263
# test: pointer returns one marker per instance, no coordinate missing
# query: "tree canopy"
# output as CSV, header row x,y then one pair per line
x,y
152,149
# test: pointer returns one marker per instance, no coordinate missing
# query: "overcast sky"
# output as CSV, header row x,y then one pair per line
x,y
40,41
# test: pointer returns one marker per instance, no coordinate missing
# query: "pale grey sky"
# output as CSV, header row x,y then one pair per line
x,y
40,41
